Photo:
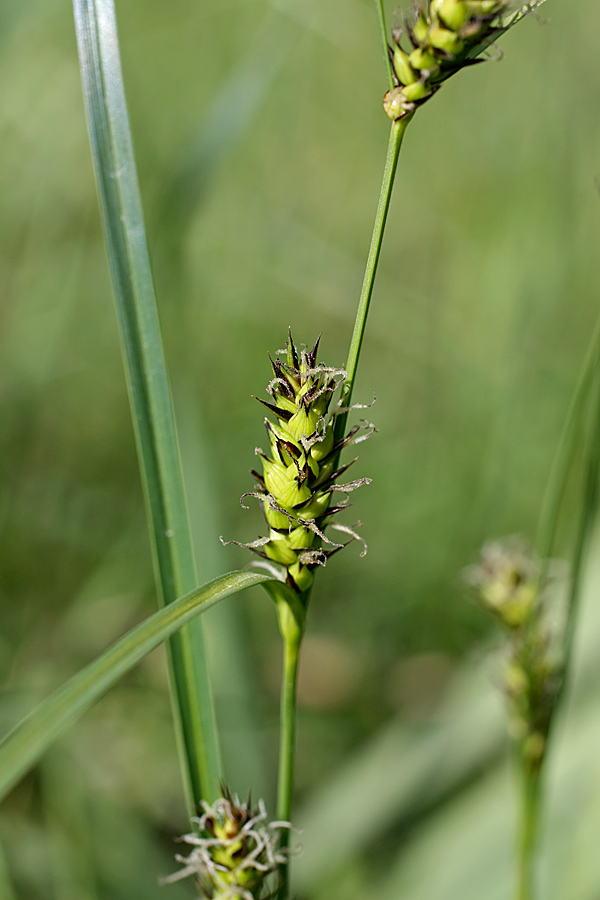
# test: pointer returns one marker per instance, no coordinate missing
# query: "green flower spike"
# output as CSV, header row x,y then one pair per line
x,y
300,474
443,37
506,581
508,585
236,851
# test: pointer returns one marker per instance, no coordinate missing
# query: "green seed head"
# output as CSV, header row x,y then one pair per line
x,y
300,473
445,37
507,582
517,590
236,852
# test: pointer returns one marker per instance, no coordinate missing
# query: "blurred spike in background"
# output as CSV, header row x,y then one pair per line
x,y
260,140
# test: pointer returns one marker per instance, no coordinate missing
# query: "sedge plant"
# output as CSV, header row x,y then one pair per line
x,y
440,39
236,851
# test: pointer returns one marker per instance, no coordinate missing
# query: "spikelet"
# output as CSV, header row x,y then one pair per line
x,y
236,851
441,38
300,473
508,584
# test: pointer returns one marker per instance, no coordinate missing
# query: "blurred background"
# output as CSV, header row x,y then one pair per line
x,y
260,140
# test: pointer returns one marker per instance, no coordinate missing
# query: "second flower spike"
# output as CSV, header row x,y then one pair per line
x,y
441,38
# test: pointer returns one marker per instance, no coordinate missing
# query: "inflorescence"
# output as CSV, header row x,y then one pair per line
x,y
236,851
510,584
301,473
441,38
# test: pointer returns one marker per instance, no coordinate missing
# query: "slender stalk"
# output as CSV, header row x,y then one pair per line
x,y
389,173
384,42
529,830
287,749
291,614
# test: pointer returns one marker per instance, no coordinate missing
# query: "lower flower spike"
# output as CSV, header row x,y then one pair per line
x,y
236,852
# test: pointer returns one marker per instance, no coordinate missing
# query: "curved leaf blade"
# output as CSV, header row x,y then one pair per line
x,y
27,742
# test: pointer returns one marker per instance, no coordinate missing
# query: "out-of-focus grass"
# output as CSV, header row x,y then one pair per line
x,y
487,292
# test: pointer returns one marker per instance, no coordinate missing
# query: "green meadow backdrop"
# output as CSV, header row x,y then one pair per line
x,y
260,141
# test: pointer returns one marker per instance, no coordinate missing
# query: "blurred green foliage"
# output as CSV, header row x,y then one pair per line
x,y
260,140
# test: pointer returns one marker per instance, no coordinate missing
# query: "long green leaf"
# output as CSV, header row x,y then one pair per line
x,y
27,742
154,425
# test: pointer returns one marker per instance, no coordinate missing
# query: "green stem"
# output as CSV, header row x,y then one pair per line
x,y
292,640
389,172
529,829
288,729
384,43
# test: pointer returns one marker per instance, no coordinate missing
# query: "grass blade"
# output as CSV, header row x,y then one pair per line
x,y
27,742
122,216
